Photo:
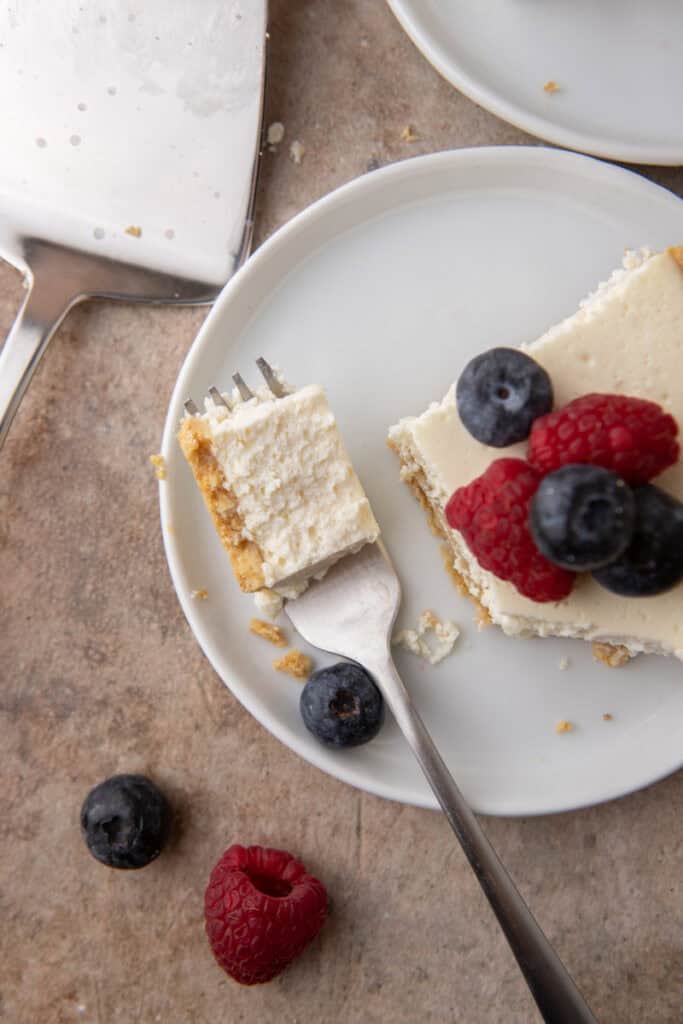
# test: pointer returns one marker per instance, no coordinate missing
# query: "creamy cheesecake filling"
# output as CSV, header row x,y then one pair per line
x,y
297,499
627,338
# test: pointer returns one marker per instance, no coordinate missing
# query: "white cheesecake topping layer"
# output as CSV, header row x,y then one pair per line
x,y
627,338
297,493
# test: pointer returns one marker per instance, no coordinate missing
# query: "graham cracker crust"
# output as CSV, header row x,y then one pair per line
x,y
246,557
676,253
612,655
417,481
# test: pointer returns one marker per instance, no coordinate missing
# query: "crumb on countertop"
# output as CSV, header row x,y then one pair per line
x,y
409,134
563,664
199,595
276,133
607,717
563,726
551,86
133,230
612,655
294,663
159,463
415,640
268,631
297,151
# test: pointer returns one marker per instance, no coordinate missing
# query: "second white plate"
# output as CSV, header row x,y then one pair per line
x,y
381,292
617,63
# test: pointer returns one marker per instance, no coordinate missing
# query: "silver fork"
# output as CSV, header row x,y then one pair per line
x,y
269,375
351,612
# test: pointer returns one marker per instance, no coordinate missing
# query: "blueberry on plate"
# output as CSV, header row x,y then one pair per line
x,y
125,821
653,562
500,393
582,517
341,705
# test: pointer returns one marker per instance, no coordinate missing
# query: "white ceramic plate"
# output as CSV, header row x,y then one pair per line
x,y
618,64
381,292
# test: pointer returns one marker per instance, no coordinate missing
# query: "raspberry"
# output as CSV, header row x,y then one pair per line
x,y
261,909
630,436
492,514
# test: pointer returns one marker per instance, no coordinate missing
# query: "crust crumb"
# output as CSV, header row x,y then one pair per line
x,y
607,717
199,595
612,655
551,86
245,556
294,663
563,726
676,253
133,230
268,631
160,469
409,134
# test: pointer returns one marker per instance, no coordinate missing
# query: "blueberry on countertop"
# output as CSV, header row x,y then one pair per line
x,y
125,821
500,393
653,562
582,517
341,705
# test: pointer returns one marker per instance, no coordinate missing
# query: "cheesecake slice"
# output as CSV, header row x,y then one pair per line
x,y
626,338
280,487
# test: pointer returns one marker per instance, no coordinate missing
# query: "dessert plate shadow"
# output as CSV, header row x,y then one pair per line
x,y
616,63
381,292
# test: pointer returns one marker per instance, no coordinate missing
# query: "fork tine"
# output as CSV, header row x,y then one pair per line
x,y
270,377
218,398
245,391
190,408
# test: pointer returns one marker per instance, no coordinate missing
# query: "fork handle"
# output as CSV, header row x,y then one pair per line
x,y
42,311
551,985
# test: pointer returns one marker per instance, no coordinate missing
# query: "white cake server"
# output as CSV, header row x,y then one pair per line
x,y
131,137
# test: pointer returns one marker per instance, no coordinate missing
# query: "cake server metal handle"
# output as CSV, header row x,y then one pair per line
x,y
351,612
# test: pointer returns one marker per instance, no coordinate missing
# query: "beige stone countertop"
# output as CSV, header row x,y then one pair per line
x,y
101,674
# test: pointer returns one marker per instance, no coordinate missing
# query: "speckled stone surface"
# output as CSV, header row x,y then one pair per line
x,y
101,674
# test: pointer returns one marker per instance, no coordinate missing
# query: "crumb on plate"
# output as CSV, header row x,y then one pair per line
x,y
551,86
133,230
563,664
415,640
607,717
268,631
612,655
199,595
268,602
294,663
159,463
563,726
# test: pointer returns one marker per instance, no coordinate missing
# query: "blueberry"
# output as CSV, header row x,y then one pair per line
x,y
341,705
653,562
499,395
582,517
125,821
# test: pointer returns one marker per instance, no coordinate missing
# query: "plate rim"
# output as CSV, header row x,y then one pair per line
x,y
661,155
280,239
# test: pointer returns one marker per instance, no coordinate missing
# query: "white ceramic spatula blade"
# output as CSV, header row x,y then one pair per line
x,y
131,133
